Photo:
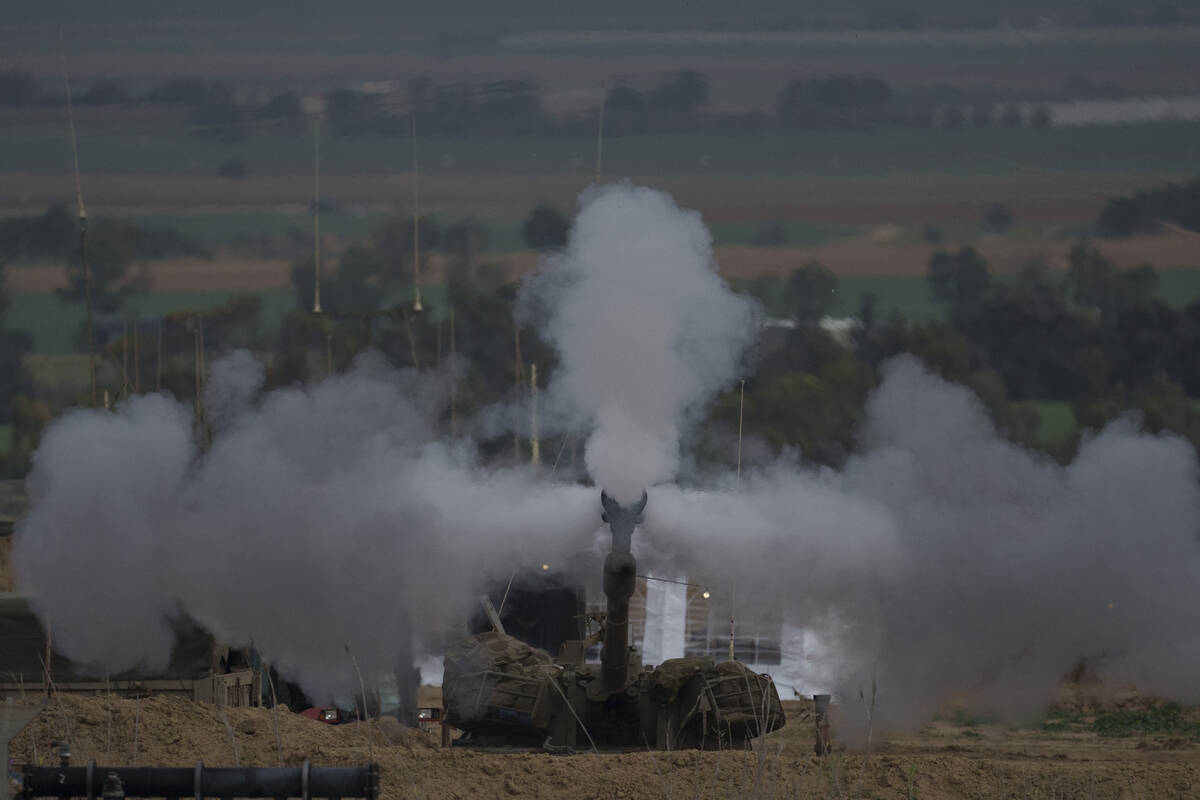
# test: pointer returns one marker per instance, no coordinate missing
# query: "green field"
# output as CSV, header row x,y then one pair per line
x,y
168,150
56,325
502,235
909,296
1057,421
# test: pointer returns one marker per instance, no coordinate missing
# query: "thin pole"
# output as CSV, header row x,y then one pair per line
x,y
453,380
412,341
741,415
732,591
125,358
196,362
203,354
600,133
437,353
416,222
158,360
83,265
535,447
519,380
316,214
137,355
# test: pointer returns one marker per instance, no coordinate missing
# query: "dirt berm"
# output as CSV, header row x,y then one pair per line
x,y
947,760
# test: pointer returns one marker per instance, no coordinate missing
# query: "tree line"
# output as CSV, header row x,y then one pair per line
x,y
679,102
1094,337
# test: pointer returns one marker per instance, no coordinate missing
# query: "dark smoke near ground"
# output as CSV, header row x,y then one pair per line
x,y
943,563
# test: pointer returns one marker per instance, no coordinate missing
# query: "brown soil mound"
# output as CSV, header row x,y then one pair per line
x,y
944,761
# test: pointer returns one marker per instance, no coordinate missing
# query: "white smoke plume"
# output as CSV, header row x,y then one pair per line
x,y
947,564
646,329
320,517
943,562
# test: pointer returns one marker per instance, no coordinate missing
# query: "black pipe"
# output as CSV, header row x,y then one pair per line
x,y
198,782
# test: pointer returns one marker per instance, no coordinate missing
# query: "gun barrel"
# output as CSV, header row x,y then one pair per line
x,y
620,578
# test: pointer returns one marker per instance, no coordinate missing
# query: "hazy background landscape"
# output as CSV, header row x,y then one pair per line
x,y
859,140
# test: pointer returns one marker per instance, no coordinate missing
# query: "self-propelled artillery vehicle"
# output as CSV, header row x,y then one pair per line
x,y
503,692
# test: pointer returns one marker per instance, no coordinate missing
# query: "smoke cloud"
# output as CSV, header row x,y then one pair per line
x,y
320,517
942,563
946,564
646,329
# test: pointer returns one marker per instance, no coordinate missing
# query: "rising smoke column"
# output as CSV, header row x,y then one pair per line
x,y
947,564
646,330
320,517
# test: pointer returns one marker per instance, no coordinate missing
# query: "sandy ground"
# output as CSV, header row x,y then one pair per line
x,y
944,761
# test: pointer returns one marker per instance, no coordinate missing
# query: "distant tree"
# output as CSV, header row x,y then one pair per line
x,y
187,91
772,234
105,93
1011,117
997,219
1040,118
868,309
837,99
959,280
28,417
18,89
982,115
351,113
1123,216
683,92
545,228
1146,211
510,108
111,248
370,275
953,118
626,111
283,105
1095,282
233,168
420,93
464,242
286,110
809,292
46,237
218,115
933,234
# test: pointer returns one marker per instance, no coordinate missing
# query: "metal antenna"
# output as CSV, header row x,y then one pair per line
x,y
416,223
316,213
535,445
83,264
454,379
741,416
600,132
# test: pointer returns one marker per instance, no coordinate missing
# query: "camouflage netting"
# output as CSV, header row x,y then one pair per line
x,y
746,700
492,675
673,674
